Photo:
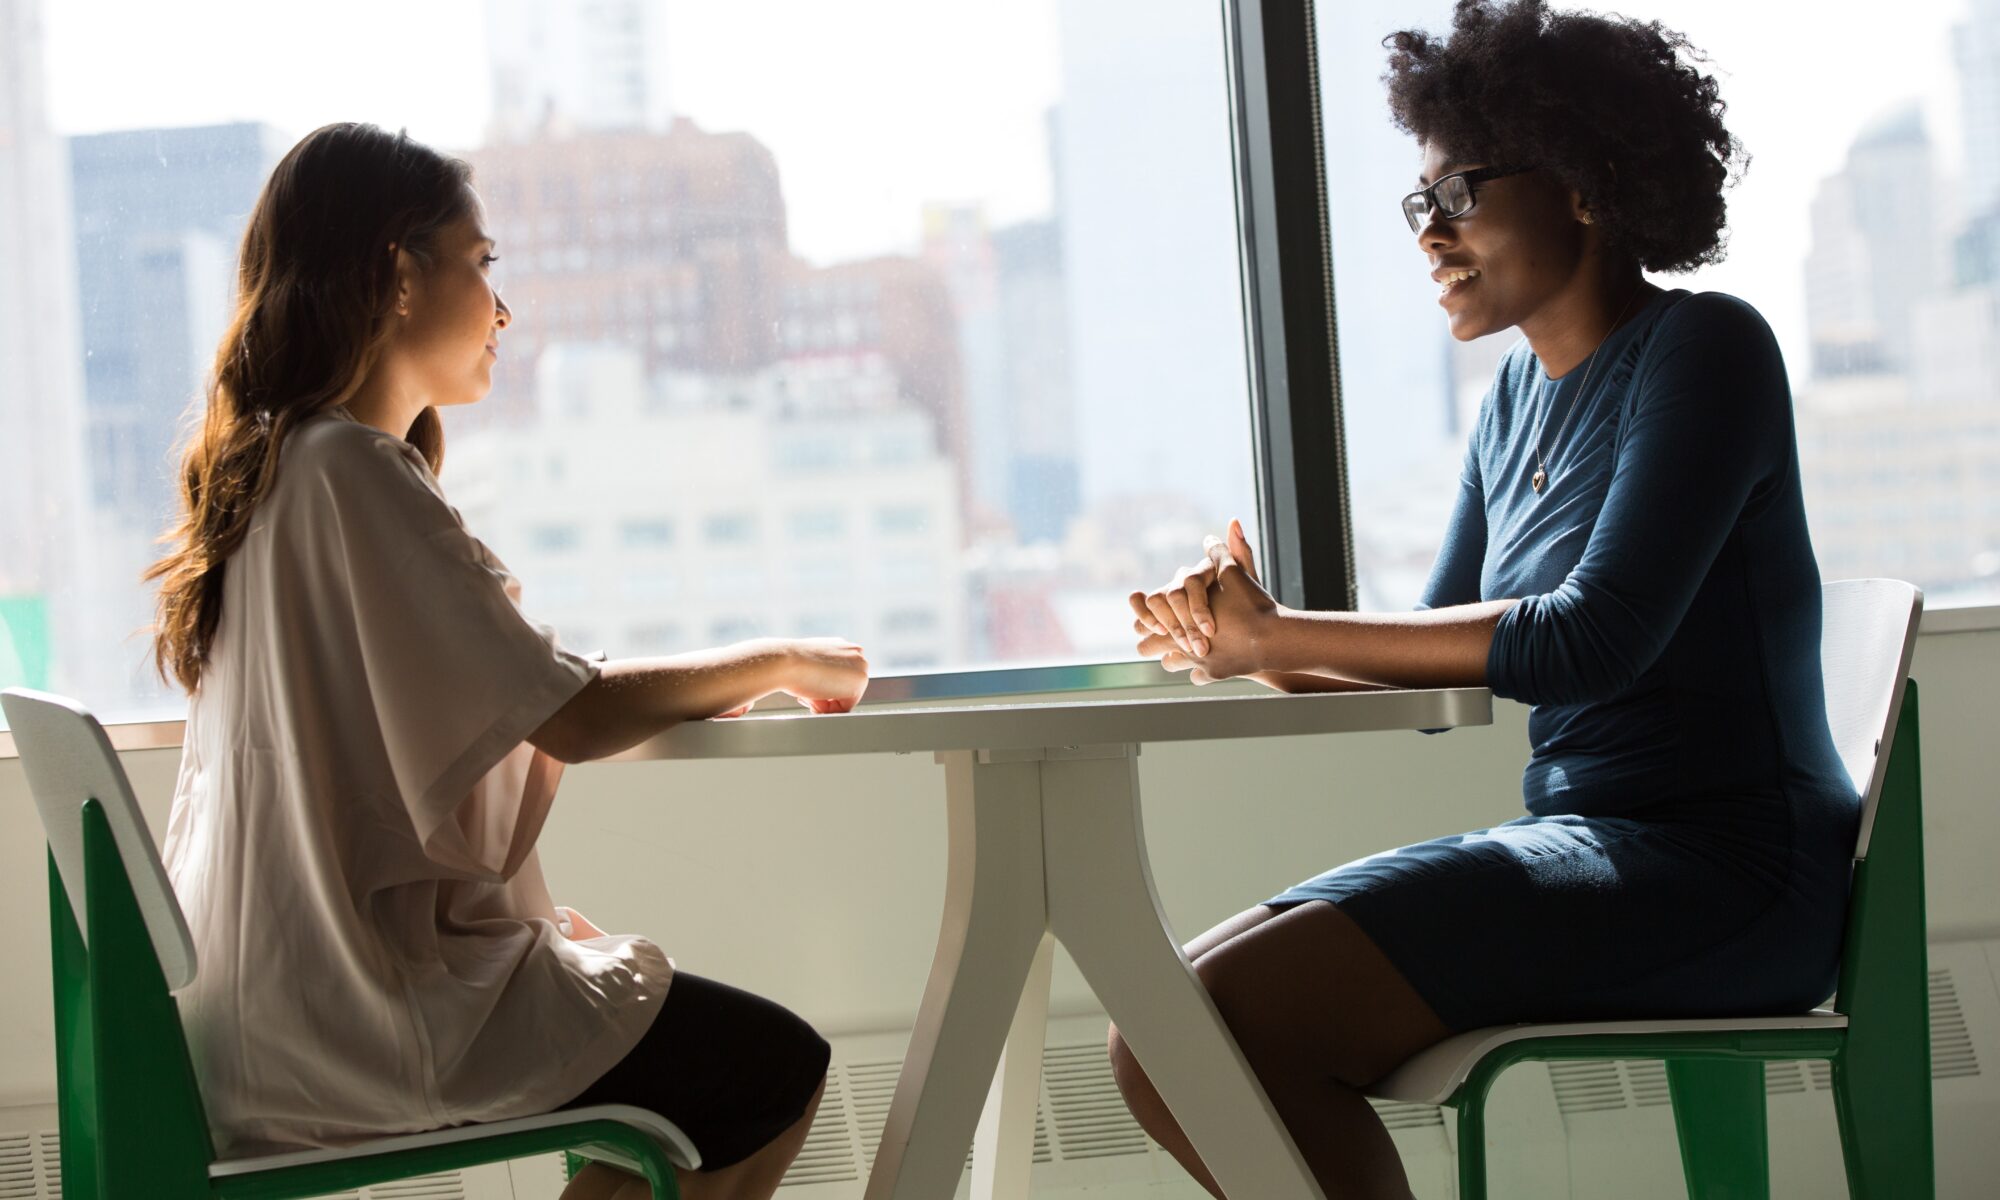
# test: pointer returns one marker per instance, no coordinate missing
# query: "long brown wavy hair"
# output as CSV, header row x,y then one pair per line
x,y
315,294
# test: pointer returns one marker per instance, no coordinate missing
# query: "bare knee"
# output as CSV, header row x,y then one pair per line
x,y
1309,997
1133,1083
759,1176
1124,1066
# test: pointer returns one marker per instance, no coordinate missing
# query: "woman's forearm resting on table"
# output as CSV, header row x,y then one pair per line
x,y
1442,647
1298,683
634,698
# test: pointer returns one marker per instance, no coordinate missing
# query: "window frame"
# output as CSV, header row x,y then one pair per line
x,y
1298,431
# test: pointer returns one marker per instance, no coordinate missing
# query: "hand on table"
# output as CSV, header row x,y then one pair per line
x,y
1212,619
826,675
1179,612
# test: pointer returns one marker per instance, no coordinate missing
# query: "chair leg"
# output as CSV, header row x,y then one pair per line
x,y
1720,1113
574,1163
1882,1078
1472,1144
1884,1103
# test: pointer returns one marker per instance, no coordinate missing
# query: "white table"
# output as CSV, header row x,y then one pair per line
x,y
1045,842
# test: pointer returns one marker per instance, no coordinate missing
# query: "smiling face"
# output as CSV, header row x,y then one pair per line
x,y
1501,263
451,314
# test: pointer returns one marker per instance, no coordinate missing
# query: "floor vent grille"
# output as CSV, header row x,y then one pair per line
x,y
1648,1079
448,1185
1089,1116
1091,1120
1952,1053
30,1166
1798,1077
17,1167
828,1155
1588,1086
1397,1115
870,1086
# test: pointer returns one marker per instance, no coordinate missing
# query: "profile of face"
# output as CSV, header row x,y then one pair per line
x,y
1500,262
449,315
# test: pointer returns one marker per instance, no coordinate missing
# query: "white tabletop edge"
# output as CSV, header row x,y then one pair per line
x,y
1066,723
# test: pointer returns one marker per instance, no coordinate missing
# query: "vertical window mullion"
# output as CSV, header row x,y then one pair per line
x,y
1300,439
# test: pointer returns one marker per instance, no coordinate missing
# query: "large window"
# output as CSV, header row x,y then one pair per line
x,y
1867,231
918,323
937,326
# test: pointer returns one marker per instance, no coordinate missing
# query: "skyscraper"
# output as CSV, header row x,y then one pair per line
x,y
675,244
957,243
1010,299
159,215
1877,249
40,384
1043,490
1976,45
671,241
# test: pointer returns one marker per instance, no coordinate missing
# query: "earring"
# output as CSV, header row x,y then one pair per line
x,y
1587,219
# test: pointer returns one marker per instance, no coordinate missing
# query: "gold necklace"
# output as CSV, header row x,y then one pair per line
x,y
1541,475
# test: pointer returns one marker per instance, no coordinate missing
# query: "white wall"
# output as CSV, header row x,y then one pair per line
x,y
818,882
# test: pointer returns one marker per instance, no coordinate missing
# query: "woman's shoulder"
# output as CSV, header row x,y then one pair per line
x,y
1711,318
335,434
1715,350
334,464
333,444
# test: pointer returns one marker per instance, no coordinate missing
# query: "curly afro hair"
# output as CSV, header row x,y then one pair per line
x,y
1612,106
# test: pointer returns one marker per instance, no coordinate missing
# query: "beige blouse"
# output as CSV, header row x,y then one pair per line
x,y
353,831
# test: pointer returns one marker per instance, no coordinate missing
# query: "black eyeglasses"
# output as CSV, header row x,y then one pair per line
x,y
1451,196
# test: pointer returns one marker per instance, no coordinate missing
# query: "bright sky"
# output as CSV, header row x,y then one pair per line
x,y
872,109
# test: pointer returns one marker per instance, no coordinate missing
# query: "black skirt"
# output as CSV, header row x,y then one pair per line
x,y
731,1069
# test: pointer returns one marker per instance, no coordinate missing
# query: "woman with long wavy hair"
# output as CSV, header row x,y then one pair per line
x,y
375,730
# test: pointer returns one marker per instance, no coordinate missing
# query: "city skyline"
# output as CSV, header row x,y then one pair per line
x,y
1758,54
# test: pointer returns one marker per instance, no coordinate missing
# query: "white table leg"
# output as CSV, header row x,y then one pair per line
x,y
994,921
1101,903
1003,1147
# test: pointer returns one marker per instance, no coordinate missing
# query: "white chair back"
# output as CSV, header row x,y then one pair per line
x,y
1868,635
69,760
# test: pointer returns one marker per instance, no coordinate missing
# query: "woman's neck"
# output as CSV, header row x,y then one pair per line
x,y
1575,321
387,401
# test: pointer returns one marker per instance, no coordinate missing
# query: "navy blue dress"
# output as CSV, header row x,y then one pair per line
x,y
1691,828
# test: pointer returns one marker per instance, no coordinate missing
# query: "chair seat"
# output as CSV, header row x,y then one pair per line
x,y
1432,1076
679,1149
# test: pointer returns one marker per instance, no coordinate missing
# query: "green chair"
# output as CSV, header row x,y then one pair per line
x,y
1877,1031
130,1117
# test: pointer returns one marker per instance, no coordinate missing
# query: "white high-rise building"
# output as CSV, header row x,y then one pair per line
x,y
1877,249
586,65
1976,45
654,516
41,378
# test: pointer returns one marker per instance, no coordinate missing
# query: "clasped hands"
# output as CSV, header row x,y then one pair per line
x,y
1214,620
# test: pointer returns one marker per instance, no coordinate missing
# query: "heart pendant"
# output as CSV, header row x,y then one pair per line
x,y
1541,477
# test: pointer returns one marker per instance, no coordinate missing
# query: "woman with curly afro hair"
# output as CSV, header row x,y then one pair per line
x,y
1628,555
